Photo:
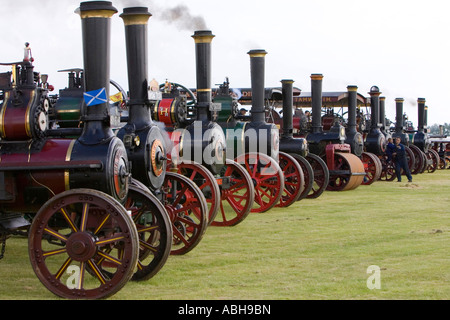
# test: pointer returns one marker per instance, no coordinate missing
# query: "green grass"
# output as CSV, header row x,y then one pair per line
x,y
316,249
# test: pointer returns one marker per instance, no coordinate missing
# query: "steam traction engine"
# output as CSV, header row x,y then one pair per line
x,y
371,161
199,146
346,170
255,144
421,141
295,147
82,241
147,147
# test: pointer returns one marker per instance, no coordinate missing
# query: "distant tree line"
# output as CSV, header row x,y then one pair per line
x,y
434,129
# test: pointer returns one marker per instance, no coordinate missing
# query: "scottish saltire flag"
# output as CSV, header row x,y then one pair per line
x,y
93,98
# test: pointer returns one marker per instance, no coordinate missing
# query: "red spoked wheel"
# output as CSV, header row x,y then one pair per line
x,y
321,175
237,195
348,172
206,182
372,166
308,175
388,171
267,177
154,229
73,234
294,180
433,160
187,209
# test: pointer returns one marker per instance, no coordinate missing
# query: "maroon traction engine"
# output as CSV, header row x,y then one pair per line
x,y
83,243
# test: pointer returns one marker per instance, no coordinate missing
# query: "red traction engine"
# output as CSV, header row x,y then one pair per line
x,y
85,238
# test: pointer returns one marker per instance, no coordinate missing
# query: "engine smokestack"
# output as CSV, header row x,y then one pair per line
x,y
203,40
383,113
375,107
399,115
136,20
316,103
353,137
257,68
288,104
421,114
96,34
352,104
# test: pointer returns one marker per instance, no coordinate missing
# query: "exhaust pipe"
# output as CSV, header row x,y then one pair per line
x,y
288,104
353,137
316,104
257,65
375,107
421,115
383,113
399,127
375,140
203,40
352,102
136,20
96,34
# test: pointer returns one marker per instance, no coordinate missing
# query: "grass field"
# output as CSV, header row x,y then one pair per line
x,y
316,249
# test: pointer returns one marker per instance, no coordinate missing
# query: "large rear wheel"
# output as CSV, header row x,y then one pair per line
x,y
73,235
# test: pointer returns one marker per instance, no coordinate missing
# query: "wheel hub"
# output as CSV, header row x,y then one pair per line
x,y
81,246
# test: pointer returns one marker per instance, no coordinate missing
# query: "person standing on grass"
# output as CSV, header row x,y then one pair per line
x,y
400,160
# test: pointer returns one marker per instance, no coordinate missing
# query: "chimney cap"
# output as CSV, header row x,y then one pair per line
x,y
257,53
421,100
96,6
375,91
316,76
203,36
135,15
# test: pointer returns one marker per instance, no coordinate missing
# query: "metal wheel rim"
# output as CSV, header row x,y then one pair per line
x,y
92,227
239,196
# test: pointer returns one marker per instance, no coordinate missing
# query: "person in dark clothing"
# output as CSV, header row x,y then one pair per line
x,y
390,149
400,160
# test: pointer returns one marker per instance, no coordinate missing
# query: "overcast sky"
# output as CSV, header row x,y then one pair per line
x,y
401,46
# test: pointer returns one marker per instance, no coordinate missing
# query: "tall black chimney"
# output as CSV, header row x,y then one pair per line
x,y
316,103
383,113
399,115
203,40
96,31
399,125
375,107
257,65
288,143
375,140
421,138
136,20
352,104
353,137
421,114
288,104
